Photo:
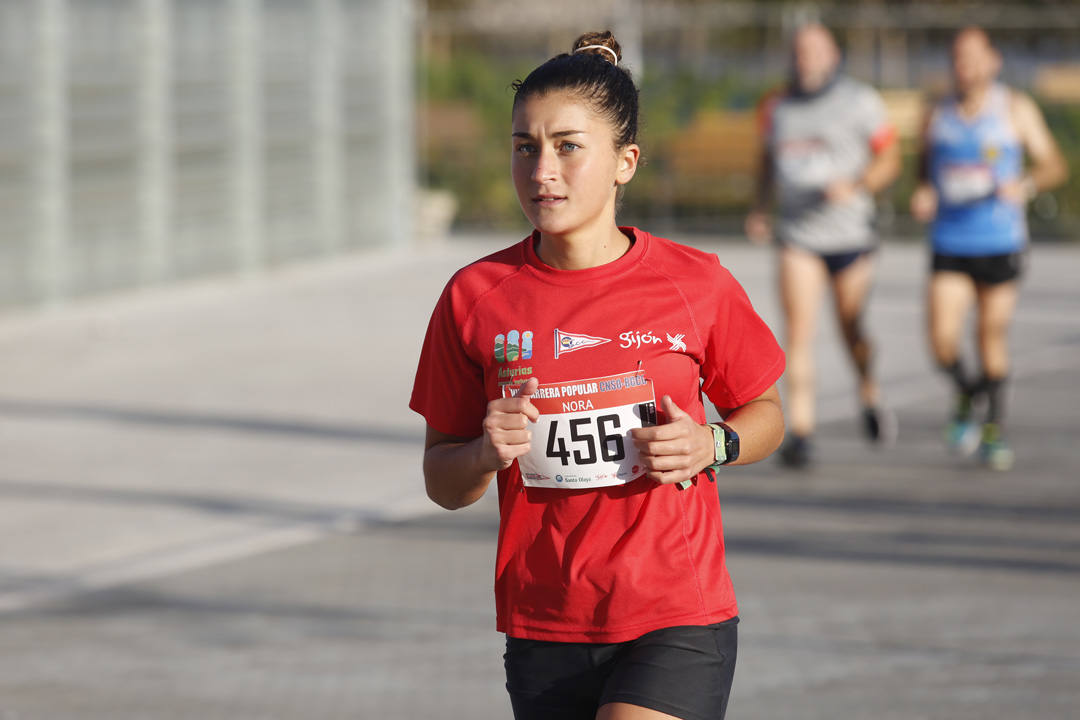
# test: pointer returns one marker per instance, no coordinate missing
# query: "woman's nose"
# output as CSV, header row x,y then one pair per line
x,y
546,165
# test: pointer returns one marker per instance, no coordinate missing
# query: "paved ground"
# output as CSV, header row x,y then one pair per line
x,y
210,507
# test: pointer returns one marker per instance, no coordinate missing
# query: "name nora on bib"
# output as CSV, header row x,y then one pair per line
x,y
581,439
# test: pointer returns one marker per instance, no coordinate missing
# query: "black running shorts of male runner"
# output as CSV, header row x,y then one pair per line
x,y
685,671
983,269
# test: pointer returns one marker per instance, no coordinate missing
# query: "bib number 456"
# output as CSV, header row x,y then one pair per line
x,y
582,432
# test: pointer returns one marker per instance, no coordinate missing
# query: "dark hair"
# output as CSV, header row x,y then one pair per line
x,y
595,75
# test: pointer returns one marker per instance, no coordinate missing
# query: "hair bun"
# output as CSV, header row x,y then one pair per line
x,y
602,44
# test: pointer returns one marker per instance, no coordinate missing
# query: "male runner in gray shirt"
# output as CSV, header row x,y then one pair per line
x,y
828,148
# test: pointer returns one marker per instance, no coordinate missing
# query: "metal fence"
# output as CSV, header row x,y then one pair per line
x,y
890,44
143,141
702,67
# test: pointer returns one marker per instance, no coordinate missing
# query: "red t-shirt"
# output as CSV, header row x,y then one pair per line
x,y
603,564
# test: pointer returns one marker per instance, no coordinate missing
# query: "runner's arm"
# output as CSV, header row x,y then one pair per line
x,y
1048,167
759,424
763,182
457,470
765,172
454,474
883,168
757,225
678,450
924,198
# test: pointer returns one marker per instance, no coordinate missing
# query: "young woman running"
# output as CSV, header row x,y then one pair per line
x,y
828,148
569,368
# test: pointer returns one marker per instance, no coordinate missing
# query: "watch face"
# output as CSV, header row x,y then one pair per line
x,y
732,445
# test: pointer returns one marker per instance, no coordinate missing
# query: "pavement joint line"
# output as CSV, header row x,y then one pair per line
x,y
160,564
915,389
213,551
208,421
197,291
1023,316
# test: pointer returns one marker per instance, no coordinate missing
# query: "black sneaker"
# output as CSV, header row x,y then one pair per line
x,y
796,452
879,425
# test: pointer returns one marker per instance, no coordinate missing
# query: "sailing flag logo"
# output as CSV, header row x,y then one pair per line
x,y
566,342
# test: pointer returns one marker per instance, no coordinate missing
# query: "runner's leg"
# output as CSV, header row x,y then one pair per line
x,y
850,288
626,711
950,295
802,280
996,305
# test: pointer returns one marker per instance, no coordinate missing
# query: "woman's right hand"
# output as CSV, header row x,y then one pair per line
x,y
924,203
506,427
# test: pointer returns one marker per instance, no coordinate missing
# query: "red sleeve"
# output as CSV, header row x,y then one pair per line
x,y
872,116
883,137
742,358
449,386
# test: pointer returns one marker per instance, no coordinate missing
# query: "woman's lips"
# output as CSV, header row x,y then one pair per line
x,y
548,200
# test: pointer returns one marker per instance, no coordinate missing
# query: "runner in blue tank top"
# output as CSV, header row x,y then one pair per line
x,y
973,190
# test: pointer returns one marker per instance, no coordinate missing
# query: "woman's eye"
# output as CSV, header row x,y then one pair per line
x,y
569,147
525,149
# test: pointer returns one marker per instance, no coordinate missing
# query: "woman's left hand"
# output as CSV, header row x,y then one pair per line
x,y
677,450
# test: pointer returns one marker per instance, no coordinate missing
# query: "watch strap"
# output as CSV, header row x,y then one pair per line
x,y
725,450
725,445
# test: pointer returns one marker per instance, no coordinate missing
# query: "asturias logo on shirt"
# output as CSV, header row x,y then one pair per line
x,y
567,342
513,346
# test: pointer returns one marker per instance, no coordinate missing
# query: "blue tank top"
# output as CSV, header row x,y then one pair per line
x,y
969,159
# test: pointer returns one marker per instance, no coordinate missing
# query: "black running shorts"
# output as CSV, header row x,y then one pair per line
x,y
983,269
685,671
836,263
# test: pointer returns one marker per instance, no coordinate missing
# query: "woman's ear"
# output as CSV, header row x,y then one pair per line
x,y
628,157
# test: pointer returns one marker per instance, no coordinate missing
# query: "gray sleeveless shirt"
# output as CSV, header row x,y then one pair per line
x,y
813,142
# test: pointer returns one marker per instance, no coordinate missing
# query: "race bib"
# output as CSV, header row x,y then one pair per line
x,y
582,439
962,184
806,164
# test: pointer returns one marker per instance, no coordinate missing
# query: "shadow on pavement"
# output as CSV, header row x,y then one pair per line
x,y
205,421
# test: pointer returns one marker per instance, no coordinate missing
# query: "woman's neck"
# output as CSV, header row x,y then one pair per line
x,y
971,102
584,249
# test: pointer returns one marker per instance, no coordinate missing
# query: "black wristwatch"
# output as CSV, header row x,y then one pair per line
x,y
725,445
